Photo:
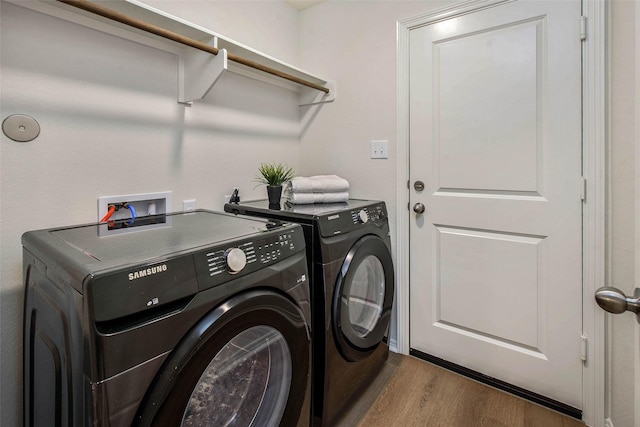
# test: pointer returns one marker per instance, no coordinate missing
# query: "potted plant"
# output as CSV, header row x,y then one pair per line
x,y
273,176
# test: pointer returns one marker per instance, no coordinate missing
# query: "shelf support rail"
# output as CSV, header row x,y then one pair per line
x,y
170,35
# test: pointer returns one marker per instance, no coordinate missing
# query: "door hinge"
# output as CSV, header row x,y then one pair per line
x,y
583,28
583,348
583,188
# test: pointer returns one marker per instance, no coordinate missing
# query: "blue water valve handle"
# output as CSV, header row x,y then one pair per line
x,y
133,213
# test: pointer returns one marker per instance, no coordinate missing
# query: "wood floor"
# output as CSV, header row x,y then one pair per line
x,y
411,392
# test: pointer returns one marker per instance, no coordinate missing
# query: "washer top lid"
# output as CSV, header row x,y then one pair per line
x,y
182,232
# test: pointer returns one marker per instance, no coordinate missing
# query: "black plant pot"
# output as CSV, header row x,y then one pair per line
x,y
274,193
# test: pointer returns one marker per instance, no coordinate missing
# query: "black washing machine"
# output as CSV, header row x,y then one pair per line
x,y
352,288
202,321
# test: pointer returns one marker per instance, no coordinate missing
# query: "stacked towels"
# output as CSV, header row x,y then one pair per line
x,y
317,189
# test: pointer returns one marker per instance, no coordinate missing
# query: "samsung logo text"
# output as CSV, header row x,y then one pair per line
x,y
148,272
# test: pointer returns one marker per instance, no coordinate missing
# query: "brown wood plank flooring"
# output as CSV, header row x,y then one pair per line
x,y
410,392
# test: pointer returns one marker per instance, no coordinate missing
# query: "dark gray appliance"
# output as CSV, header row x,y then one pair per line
x,y
352,288
205,321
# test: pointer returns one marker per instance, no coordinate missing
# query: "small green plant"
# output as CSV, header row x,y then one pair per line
x,y
274,174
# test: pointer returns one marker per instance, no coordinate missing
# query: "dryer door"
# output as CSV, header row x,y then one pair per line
x,y
246,363
363,298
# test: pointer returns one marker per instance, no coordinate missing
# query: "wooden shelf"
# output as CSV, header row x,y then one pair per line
x,y
199,70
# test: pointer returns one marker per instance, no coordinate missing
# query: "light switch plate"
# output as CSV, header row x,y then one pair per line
x,y
379,149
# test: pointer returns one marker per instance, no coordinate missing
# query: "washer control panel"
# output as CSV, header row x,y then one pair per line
x,y
220,264
271,250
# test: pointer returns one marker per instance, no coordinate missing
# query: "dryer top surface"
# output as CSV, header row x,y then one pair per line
x,y
308,211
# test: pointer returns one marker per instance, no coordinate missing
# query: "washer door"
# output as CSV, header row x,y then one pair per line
x,y
246,363
363,298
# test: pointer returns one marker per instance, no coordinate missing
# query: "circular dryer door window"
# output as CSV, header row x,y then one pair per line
x,y
366,296
363,298
246,384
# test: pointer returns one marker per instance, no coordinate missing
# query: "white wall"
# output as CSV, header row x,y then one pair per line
x,y
269,26
636,364
355,44
624,208
111,124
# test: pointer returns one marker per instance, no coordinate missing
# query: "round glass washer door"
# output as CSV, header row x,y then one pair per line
x,y
363,298
246,363
246,384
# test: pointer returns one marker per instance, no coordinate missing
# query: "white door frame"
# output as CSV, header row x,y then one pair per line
x,y
594,170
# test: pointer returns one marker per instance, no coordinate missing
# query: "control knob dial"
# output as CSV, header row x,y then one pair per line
x,y
363,216
236,260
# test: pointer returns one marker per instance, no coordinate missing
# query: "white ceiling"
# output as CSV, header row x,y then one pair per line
x,y
303,4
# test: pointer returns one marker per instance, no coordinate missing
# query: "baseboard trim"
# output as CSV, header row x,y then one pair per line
x,y
501,385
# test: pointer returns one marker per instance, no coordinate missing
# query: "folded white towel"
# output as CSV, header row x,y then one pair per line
x,y
318,184
311,198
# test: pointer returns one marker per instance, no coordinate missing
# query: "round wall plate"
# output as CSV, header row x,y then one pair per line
x,y
21,128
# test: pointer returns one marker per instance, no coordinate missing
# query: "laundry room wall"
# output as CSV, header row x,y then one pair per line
x,y
623,263
355,44
110,125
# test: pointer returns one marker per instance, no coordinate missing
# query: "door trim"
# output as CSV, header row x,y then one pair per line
x,y
594,171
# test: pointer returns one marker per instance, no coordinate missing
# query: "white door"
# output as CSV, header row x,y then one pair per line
x,y
495,135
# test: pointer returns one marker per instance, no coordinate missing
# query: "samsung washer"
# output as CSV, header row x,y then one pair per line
x,y
204,321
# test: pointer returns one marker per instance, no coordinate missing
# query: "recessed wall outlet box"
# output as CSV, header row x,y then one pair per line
x,y
149,211
379,149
